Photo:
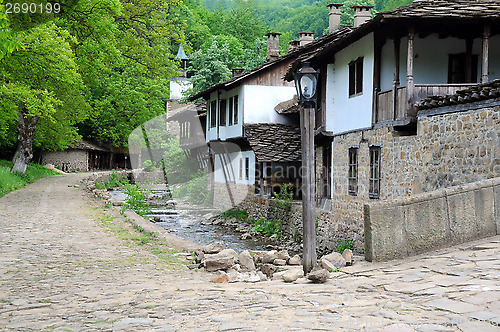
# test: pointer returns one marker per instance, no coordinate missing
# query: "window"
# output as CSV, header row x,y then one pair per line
x,y
458,71
247,168
356,77
353,171
230,117
213,114
241,168
374,191
235,113
222,112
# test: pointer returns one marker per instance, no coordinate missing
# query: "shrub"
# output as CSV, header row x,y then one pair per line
x,y
136,199
268,227
285,196
148,166
196,190
344,244
240,215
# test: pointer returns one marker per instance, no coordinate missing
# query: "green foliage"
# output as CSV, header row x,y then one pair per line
x,y
148,166
240,215
113,182
268,227
176,165
196,190
12,181
136,199
343,245
285,197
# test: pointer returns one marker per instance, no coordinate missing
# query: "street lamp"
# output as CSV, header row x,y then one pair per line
x,y
306,80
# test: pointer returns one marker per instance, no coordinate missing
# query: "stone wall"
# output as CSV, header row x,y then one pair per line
x,y
412,225
448,150
226,196
77,159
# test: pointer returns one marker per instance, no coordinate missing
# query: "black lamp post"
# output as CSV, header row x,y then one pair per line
x,y
306,80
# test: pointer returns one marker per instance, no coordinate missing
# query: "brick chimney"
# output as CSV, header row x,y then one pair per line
x,y
334,16
237,71
273,45
305,38
361,14
293,45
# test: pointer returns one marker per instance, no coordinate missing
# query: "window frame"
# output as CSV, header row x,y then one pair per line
x,y
231,109
461,60
352,172
374,176
235,110
222,112
355,85
213,113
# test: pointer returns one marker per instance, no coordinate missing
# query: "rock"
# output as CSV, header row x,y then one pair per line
x,y
253,277
292,275
237,267
347,254
220,278
269,256
319,276
213,248
279,262
268,270
232,275
283,254
246,236
246,261
261,276
295,260
199,256
326,264
335,258
220,261
230,252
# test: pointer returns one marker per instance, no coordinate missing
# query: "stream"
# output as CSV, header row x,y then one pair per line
x,y
188,224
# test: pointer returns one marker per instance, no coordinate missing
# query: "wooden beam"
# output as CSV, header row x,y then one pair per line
x,y
486,48
410,84
307,122
395,82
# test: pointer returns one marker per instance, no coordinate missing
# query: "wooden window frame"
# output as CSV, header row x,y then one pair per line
x,y
374,176
231,114
356,77
461,58
247,168
235,107
222,112
213,114
352,174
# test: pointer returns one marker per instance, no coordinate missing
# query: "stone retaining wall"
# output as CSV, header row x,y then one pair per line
x,y
408,226
76,160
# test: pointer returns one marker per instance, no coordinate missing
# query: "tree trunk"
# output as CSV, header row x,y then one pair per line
x,y
26,126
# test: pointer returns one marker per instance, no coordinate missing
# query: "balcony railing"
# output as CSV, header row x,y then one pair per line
x,y
390,109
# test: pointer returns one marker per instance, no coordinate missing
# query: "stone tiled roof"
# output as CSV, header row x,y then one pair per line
x,y
190,111
490,90
291,106
274,142
83,145
447,8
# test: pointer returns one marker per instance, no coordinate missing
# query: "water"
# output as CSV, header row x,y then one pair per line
x,y
188,224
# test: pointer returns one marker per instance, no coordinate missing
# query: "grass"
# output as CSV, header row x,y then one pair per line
x,y
12,181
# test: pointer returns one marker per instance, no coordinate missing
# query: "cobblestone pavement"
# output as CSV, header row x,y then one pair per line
x,y
62,270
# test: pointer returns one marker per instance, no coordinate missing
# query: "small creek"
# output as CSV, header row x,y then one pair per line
x,y
188,224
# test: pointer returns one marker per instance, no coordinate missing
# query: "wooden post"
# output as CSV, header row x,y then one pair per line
x,y
395,82
468,60
410,85
376,78
308,184
486,48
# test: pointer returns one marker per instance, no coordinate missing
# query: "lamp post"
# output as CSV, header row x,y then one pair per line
x,y
306,79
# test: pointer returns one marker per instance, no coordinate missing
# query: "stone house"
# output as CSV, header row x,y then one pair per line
x,y
381,83
85,156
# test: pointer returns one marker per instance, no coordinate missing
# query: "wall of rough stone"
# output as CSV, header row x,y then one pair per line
x,y
77,159
448,150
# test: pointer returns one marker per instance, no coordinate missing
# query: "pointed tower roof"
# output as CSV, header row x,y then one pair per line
x,y
181,54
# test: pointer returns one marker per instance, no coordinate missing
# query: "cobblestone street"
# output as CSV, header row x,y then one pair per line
x,y
61,269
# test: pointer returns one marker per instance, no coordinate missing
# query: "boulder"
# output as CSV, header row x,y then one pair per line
x,y
213,248
268,270
335,258
283,254
262,276
326,264
199,256
295,260
347,254
246,261
246,236
230,252
292,275
319,275
279,262
220,261
269,256
220,278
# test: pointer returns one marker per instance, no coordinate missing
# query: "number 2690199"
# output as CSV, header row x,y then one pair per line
x,y
32,8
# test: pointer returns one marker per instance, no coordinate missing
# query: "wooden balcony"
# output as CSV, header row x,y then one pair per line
x,y
392,107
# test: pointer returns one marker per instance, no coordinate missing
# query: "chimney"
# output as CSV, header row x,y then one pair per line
x,y
334,16
237,71
305,38
293,45
273,45
361,14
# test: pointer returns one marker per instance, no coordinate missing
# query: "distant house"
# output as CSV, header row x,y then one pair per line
x,y
180,83
85,156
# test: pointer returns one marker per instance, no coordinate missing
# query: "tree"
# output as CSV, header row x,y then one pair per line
x,y
41,84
